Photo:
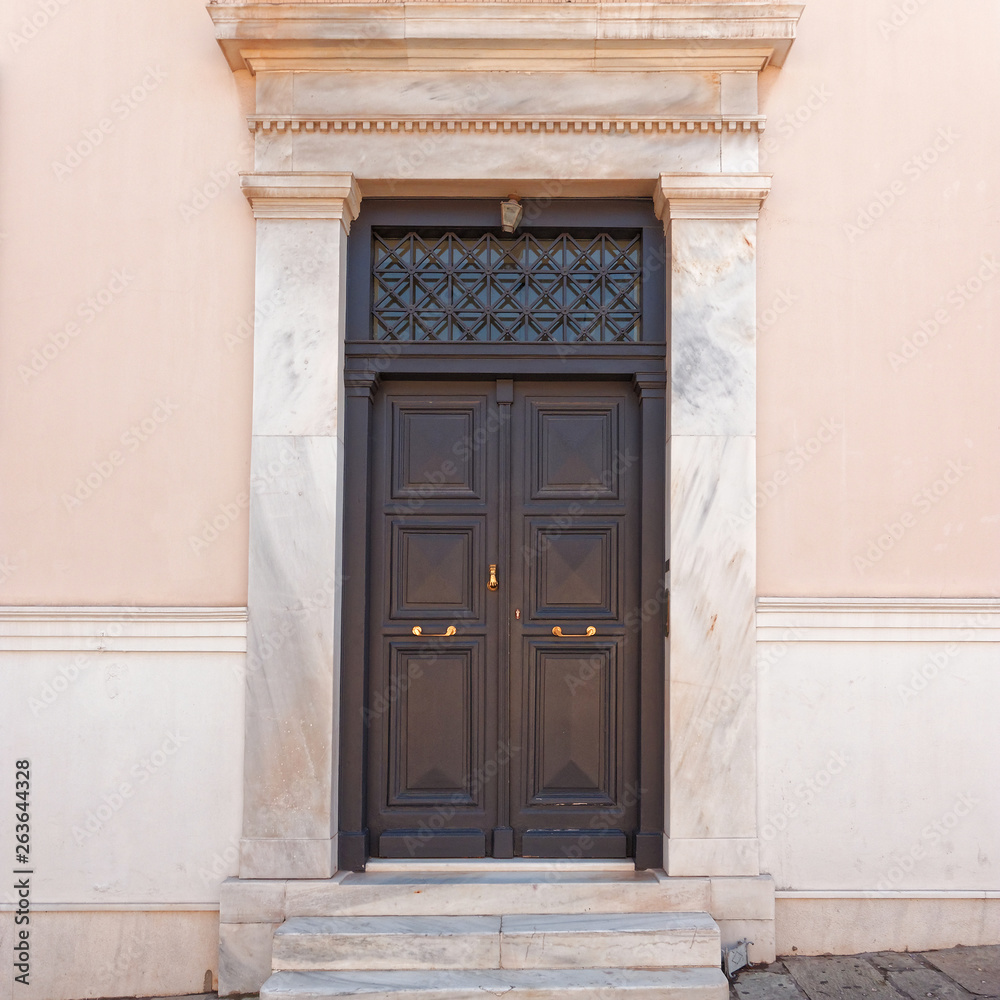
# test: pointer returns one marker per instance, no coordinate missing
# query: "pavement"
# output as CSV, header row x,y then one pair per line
x,y
954,974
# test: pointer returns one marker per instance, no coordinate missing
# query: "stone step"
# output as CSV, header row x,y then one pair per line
x,y
511,984
493,893
512,941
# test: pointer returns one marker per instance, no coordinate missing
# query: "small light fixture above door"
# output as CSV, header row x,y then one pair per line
x,y
510,214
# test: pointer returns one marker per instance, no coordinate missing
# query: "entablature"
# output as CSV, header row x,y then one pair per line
x,y
537,35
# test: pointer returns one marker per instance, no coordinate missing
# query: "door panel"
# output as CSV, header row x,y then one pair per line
x,y
431,727
436,731
449,764
574,696
435,567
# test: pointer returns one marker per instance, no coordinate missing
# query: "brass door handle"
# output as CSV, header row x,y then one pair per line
x,y
493,584
559,634
417,630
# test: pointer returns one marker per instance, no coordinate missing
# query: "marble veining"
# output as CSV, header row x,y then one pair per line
x,y
712,681
299,325
713,326
292,639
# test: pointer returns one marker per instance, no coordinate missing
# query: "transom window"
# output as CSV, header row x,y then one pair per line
x,y
539,286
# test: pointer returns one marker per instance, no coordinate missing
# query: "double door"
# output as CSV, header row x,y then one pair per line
x,y
502,706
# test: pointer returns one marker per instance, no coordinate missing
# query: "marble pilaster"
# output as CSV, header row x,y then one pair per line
x,y
710,223
289,812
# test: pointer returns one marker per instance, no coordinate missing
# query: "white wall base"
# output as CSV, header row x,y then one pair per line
x,y
808,924
114,953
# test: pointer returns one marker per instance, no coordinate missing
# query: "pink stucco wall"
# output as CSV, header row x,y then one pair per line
x,y
873,427
117,293
881,337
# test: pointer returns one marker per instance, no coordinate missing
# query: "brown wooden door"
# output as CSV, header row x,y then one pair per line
x,y
489,734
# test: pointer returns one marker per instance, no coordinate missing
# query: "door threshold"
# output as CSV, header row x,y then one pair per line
x,y
412,865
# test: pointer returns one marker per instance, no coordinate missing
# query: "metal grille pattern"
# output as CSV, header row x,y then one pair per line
x,y
490,287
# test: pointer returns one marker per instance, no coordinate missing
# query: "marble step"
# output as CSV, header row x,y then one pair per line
x,y
511,984
512,941
493,893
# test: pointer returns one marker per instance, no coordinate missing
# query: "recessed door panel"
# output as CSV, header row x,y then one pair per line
x,y
434,454
572,705
575,446
574,569
435,736
434,567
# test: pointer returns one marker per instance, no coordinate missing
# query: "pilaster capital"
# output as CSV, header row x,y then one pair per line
x,y
303,195
710,196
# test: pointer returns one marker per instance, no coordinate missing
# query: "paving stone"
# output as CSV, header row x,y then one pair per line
x,y
977,969
756,984
839,977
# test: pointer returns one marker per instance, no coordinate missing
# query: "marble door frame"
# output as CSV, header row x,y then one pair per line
x,y
296,517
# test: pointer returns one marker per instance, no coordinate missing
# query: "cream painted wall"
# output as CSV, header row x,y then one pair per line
x,y
169,278
876,766
869,99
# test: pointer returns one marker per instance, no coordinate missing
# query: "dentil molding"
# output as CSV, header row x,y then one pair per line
x,y
503,125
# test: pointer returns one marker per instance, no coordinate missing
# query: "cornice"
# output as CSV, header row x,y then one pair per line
x,y
537,34
123,629
878,619
303,195
275,124
710,196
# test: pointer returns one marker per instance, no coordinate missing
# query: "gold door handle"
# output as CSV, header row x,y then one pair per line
x,y
493,577
559,634
417,630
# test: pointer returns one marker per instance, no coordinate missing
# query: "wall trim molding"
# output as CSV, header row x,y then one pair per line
x,y
503,125
123,629
887,894
878,619
96,907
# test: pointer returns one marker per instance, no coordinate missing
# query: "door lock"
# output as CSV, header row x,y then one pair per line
x,y
493,577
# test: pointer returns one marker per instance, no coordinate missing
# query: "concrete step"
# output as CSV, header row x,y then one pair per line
x,y
492,893
512,941
511,984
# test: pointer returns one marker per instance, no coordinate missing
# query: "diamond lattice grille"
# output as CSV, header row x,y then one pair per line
x,y
488,287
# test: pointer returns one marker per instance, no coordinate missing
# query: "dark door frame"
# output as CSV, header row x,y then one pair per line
x,y
367,362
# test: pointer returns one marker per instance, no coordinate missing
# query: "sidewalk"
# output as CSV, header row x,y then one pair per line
x,y
955,974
